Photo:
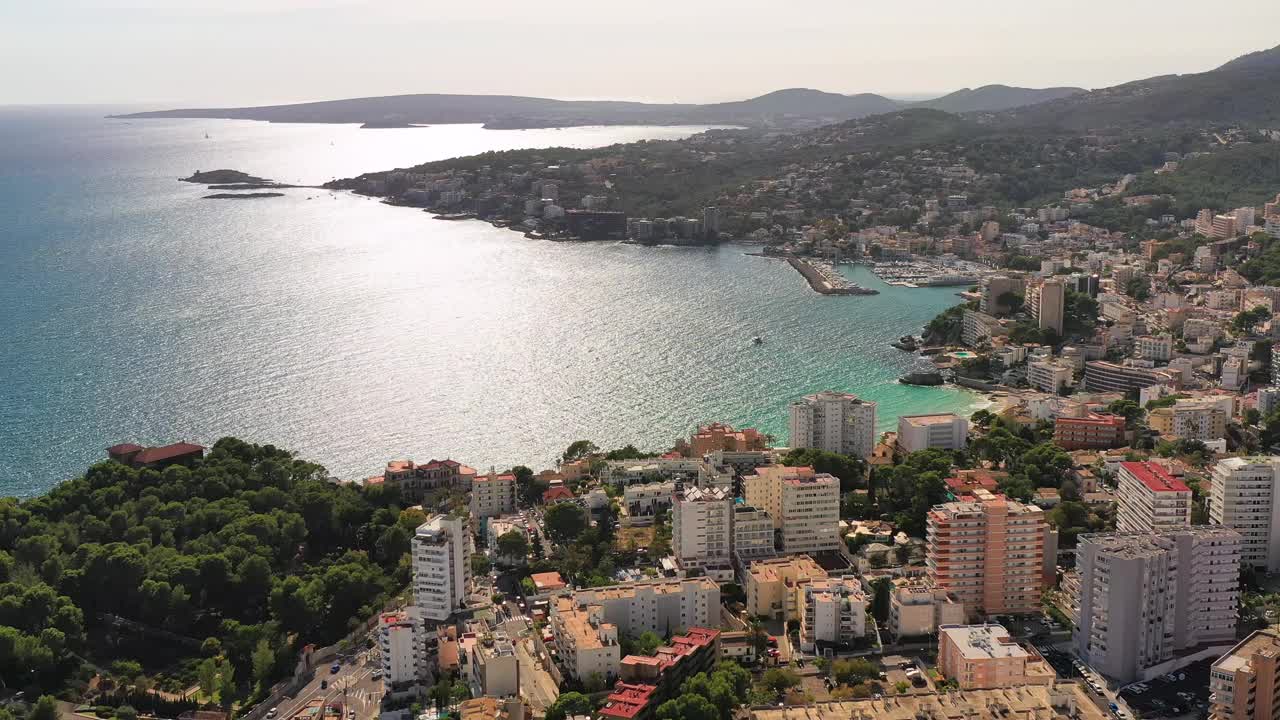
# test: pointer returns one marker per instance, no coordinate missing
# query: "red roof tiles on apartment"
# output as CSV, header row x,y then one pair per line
x,y
558,492
1155,477
123,448
627,700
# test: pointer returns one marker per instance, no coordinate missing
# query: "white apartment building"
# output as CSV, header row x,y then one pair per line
x,y
1150,499
1144,597
752,534
1049,375
977,327
402,643
917,608
835,613
945,431
1243,497
642,503
1155,347
835,422
1268,400
493,495
804,505
587,644
659,606
1235,372
441,567
702,531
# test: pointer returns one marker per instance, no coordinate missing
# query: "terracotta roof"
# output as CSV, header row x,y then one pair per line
x,y
558,492
167,452
1154,477
123,448
547,581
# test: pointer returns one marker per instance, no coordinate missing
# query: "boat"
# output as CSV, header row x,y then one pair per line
x,y
757,340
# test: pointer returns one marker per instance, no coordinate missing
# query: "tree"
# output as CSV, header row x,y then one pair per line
x,y
1245,322
1129,410
569,704
880,600
688,707
564,522
264,660
512,544
849,468
647,643
578,450
779,680
226,683
480,564
46,708
207,673
126,712
851,672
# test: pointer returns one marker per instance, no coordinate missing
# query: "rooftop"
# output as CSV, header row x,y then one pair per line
x,y
1155,477
1024,703
977,642
547,581
777,569
927,420
1241,656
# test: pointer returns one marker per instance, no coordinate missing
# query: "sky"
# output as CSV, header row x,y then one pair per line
x,y
166,53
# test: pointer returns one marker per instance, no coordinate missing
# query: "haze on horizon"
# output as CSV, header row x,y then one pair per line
x,y
167,53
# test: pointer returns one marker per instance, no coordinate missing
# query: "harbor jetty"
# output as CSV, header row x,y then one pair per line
x,y
824,278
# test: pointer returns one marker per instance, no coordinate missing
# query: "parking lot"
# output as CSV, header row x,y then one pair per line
x,y
1182,693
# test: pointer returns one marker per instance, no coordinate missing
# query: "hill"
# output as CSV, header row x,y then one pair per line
x,y
793,107
993,98
1245,90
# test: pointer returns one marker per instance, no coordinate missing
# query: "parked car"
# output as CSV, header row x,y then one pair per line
x,y
376,675
335,668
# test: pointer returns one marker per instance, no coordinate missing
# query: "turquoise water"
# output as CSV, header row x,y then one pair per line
x,y
355,332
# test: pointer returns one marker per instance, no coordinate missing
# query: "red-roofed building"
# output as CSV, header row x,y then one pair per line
x,y
629,701
1095,431
556,494
718,436
1151,499
964,482
157,458
548,582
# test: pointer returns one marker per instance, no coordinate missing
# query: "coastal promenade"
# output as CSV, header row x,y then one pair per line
x,y
825,279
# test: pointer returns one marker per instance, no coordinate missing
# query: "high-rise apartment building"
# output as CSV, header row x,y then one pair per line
x,y
1151,499
835,613
804,505
988,552
402,644
493,494
994,288
1244,684
441,567
702,530
1243,497
1143,597
1051,310
753,535
835,422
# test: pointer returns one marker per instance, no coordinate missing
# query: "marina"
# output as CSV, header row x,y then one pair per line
x,y
824,278
916,273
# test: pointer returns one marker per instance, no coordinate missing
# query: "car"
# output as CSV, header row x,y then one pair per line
x,y
376,674
335,668
273,712
324,684
351,714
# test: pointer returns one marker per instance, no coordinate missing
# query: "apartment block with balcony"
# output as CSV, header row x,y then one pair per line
x,y
753,536
942,431
985,657
772,585
834,615
493,495
487,661
835,422
587,644
702,531
1244,684
917,609
1145,598
804,505
1151,499
989,553
1094,431
441,567
402,644
1243,497
658,606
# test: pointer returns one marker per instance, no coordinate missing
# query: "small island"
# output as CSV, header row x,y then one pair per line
x,y
224,177
242,196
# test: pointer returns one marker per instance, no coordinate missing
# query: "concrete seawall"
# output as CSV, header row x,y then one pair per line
x,y
820,283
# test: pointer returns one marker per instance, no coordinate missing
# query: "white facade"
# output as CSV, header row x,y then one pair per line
x,y
1243,497
1155,347
1150,499
1235,372
702,531
644,502
942,432
752,532
835,612
441,567
493,494
1049,375
662,607
403,647
1143,597
835,422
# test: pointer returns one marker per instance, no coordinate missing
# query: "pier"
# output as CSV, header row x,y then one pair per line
x,y
824,278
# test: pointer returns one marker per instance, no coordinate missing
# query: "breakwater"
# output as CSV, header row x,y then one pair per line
x,y
825,279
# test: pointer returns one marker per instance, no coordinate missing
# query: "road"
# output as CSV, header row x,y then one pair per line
x,y
351,687
536,684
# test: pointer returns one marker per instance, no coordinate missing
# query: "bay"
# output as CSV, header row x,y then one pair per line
x,y
354,332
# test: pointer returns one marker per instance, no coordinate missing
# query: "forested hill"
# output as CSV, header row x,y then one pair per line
x,y
237,561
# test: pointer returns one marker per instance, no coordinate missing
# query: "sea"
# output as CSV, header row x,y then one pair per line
x,y
353,332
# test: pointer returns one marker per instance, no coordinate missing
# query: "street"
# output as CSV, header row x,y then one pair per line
x,y
352,688
536,684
